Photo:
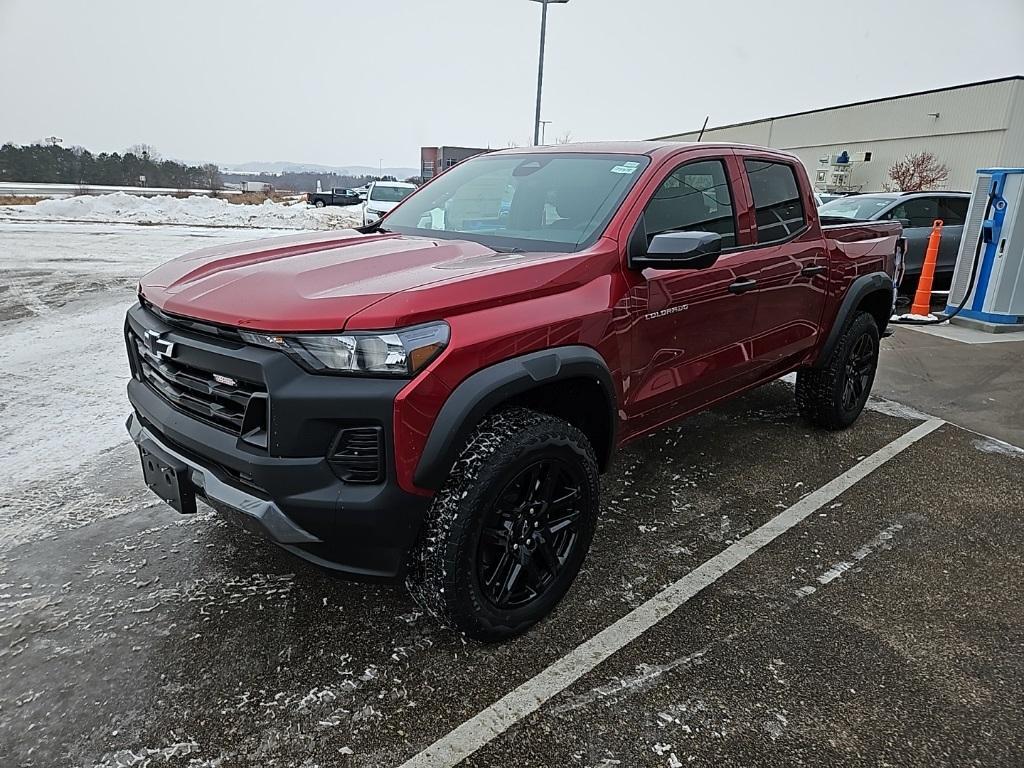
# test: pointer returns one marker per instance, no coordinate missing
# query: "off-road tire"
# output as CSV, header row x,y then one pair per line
x,y
443,576
820,391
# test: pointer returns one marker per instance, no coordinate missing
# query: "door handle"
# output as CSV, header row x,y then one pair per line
x,y
818,269
742,286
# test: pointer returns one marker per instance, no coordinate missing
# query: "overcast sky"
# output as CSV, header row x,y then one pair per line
x,y
343,82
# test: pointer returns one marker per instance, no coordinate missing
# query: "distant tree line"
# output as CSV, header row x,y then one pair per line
x,y
54,164
305,181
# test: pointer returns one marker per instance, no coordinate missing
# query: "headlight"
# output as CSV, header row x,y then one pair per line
x,y
403,352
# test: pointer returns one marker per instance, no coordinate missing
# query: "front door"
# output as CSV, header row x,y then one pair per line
x,y
689,328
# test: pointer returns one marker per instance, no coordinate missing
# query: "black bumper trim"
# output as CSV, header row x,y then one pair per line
x,y
265,514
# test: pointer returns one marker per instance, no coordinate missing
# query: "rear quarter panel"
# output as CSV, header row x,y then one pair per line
x,y
855,250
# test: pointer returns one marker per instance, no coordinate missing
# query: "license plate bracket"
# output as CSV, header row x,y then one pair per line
x,y
168,477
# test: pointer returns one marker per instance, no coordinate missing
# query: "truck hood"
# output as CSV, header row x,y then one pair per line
x,y
311,282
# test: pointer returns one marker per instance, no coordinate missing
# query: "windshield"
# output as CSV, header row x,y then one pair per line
x,y
862,208
389,194
540,202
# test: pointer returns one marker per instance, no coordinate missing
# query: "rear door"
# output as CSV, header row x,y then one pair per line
x,y
793,263
689,328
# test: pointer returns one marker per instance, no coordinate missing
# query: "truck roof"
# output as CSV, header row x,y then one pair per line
x,y
649,148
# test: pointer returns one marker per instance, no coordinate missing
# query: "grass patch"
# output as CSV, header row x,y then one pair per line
x,y
257,198
20,199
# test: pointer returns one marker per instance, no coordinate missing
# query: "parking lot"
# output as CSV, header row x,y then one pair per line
x,y
758,591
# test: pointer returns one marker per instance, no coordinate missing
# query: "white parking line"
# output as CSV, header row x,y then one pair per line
x,y
531,695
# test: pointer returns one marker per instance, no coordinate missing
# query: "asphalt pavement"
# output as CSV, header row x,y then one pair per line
x,y
884,627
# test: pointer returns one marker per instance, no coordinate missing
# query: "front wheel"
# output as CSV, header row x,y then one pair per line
x,y
834,395
506,536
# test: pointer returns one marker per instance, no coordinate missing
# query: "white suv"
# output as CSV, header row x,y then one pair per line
x,y
382,196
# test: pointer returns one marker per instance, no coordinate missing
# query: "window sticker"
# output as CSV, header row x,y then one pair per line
x,y
629,167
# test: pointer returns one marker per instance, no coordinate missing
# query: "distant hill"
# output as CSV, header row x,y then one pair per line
x,y
279,166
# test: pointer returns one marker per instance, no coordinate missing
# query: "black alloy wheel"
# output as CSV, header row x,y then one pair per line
x,y
506,536
530,533
860,371
833,394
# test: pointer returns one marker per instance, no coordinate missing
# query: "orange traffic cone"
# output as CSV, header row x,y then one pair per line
x,y
923,296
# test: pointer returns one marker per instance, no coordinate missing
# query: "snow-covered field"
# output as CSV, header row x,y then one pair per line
x,y
68,271
64,289
197,210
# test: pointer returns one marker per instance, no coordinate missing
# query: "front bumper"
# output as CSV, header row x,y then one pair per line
x,y
262,514
287,488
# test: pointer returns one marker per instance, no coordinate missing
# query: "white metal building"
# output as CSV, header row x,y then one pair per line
x,y
966,127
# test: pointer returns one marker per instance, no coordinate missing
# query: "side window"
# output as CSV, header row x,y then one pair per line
x,y
695,197
779,211
919,211
953,210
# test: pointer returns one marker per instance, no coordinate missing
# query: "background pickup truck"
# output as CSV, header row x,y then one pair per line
x,y
433,399
336,196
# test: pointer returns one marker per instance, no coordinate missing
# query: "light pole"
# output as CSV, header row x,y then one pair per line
x,y
540,65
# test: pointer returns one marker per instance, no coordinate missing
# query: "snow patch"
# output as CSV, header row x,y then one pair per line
x,y
914,318
63,366
195,210
992,445
897,410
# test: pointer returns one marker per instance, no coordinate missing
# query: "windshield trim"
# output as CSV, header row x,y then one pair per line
x,y
500,243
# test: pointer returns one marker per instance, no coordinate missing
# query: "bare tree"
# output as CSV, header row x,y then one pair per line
x,y
916,172
565,138
211,175
145,151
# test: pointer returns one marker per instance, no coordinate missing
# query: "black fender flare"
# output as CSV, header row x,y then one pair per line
x,y
860,289
487,388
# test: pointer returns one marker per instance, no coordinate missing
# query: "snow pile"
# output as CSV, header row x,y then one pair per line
x,y
195,210
929,318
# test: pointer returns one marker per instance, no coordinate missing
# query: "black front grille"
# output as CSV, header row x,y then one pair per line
x,y
358,455
195,391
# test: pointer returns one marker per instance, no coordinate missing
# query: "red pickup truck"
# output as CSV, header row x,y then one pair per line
x,y
433,397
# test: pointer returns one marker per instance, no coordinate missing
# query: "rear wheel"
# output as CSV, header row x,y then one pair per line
x,y
834,395
507,535
319,203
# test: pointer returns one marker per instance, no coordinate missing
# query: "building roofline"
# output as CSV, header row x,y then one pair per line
x,y
843,106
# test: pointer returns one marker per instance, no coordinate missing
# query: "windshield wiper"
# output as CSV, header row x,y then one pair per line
x,y
369,229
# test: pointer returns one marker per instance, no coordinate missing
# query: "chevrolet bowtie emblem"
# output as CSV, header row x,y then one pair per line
x,y
158,345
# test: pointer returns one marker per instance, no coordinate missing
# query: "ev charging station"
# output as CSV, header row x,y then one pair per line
x,y
989,276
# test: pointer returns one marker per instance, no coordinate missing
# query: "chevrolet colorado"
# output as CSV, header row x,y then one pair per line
x,y
432,398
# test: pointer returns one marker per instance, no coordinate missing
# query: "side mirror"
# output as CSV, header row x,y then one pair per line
x,y
680,250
